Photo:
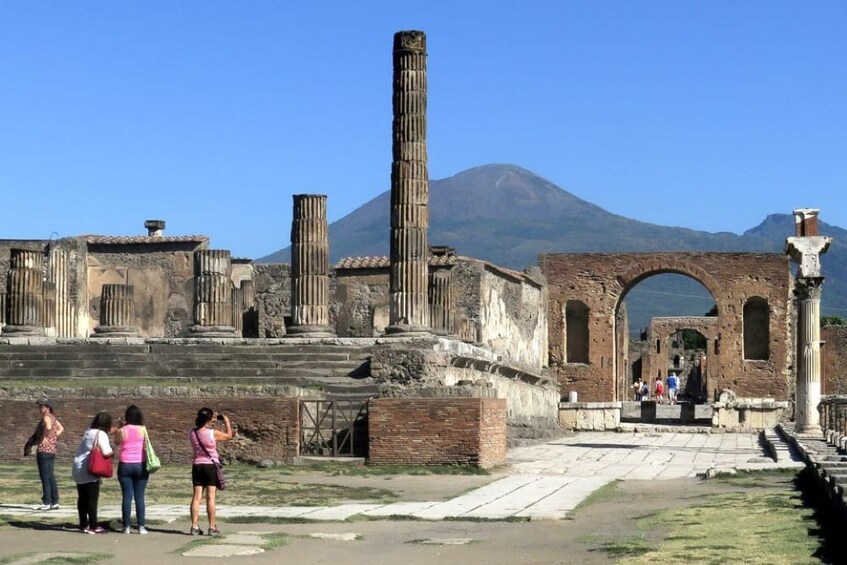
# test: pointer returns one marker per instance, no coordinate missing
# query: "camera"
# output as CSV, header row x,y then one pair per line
x,y
220,418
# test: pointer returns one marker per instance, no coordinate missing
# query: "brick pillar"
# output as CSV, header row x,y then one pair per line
x,y
212,294
117,312
808,395
25,293
408,308
441,302
309,268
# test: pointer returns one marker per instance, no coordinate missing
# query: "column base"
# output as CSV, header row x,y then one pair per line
x,y
309,331
212,331
408,330
812,430
115,331
23,330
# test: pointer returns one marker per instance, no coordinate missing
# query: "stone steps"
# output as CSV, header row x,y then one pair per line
x,y
828,461
280,363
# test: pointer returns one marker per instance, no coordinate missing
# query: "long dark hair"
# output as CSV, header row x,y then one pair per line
x,y
102,421
133,415
203,417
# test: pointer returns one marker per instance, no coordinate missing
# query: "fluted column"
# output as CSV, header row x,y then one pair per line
x,y
212,294
441,303
238,311
3,309
808,395
48,313
409,247
309,268
117,312
25,293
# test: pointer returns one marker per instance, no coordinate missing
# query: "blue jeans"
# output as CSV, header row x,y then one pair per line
x,y
133,479
49,488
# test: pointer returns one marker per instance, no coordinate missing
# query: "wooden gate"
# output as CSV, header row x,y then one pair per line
x,y
334,428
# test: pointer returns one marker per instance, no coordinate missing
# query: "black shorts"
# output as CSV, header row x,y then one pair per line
x,y
204,475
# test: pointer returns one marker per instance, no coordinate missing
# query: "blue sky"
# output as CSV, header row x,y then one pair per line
x,y
210,115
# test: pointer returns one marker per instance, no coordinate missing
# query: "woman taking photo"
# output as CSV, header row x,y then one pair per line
x,y
204,438
88,484
132,473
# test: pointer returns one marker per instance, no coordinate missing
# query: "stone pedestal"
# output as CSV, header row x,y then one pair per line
x,y
212,294
441,303
309,268
409,249
25,293
117,312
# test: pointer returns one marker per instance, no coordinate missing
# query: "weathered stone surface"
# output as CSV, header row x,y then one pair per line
x,y
309,267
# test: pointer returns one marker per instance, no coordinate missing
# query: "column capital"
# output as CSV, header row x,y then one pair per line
x,y
806,252
808,288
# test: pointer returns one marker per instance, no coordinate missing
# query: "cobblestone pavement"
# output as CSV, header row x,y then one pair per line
x,y
544,481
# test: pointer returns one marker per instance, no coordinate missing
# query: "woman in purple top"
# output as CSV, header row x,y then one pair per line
x,y
132,472
204,439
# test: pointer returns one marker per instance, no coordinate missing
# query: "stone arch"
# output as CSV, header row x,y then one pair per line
x,y
602,281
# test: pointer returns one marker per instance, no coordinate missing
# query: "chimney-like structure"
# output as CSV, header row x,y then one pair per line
x,y
805,249
408,307
155,227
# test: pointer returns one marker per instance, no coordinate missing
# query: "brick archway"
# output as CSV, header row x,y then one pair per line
x,y
602,280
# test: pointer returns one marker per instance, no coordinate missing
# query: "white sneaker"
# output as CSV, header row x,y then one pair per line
x,y
142,530
127,531
54,507
43,507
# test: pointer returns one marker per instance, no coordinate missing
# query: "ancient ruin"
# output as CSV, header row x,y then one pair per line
x,y
477,355
409,312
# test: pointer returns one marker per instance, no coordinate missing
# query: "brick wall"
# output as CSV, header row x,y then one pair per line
x,y
437,431
267,428
834,360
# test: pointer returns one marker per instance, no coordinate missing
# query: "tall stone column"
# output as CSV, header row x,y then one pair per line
x,y
805,249
25,293
117,312
212,294
238,311
808,395
408,308
309,268
441,302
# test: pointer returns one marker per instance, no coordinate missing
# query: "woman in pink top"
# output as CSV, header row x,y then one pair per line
x,y
204,439
132,472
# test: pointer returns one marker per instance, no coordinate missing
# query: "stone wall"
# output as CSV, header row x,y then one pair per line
x,y
162,277
267,427
273,297
590,416
601,282
361,302
437,431
834,359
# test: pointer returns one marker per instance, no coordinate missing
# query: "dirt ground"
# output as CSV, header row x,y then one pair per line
x,y
573,540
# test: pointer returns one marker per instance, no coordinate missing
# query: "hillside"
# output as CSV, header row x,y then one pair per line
x,y
508,215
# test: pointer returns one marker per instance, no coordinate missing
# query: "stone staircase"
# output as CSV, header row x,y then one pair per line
x,y
253,363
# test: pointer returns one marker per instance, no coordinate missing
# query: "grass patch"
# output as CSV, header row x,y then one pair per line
x,y
757,479
274,540
67,558
247,485
607,492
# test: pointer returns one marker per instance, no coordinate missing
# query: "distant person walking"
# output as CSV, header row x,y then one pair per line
x,y
204,442
673,388
88,484
45,437
645,391
660,391
636,389
132,472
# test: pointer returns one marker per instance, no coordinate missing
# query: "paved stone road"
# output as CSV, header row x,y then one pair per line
x,y
545,481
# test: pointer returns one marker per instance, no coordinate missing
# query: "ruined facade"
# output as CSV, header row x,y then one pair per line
x,y
752,291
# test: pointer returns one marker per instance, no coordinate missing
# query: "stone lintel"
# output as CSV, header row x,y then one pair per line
x,y
211,331
309,331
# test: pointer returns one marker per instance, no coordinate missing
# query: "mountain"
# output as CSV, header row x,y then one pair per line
x,y
508,215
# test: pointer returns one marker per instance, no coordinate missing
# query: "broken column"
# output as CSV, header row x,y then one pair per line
x,y
408,308
117,312
805,249
25,293
309,268
212,294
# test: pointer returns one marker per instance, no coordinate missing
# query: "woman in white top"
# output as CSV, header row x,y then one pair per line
x,y
88,485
